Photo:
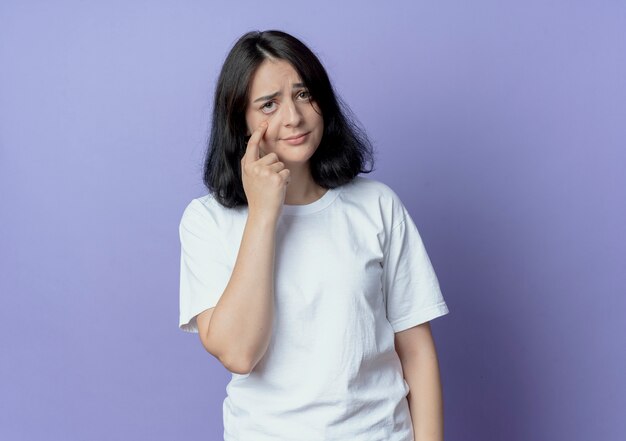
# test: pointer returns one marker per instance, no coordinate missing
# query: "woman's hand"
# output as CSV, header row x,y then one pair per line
x,y
265,179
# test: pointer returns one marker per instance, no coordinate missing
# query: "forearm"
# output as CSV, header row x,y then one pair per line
x,y
421,372
241,324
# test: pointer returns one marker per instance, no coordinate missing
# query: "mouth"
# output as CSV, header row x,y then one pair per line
x,y
296,139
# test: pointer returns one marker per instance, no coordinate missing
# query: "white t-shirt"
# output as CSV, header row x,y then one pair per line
x,y
350,271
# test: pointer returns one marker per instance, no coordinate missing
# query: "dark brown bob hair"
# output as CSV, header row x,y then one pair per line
x,y
344,149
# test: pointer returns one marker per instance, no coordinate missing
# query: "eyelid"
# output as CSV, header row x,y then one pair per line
x,y
262,106
265,110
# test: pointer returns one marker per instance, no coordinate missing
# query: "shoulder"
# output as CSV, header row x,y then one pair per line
x,y
207,210
208,206
376,196
367,187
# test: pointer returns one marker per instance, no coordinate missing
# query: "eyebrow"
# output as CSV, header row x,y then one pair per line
x,y
275,94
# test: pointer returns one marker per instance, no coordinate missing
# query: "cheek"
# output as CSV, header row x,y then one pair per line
x,y
250,125
314,115
269,140
253,120
319,125
271,133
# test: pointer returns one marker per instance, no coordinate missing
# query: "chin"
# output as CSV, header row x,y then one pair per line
x,y
294,160
295,154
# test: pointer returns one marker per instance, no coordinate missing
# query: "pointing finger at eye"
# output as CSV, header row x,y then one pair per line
x,y
252,149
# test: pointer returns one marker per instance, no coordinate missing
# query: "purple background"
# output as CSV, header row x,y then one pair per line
x,y
501,126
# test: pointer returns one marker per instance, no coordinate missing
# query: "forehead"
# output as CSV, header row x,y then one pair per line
x,y
272,75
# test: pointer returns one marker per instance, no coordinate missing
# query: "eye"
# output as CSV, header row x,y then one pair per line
x,y
266,108
306,94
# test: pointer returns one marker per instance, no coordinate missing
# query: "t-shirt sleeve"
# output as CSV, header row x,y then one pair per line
x,y
411,289
204,272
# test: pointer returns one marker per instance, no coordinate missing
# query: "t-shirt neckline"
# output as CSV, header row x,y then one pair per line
x,y
315,206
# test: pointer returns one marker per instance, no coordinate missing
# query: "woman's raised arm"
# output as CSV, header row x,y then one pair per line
x,y
238,329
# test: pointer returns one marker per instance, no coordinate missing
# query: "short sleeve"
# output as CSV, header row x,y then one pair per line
x,y
204,273
411,289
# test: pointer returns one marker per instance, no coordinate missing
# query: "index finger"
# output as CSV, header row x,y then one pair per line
x,y
252,149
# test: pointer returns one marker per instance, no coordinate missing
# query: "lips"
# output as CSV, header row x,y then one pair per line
x,y
299,135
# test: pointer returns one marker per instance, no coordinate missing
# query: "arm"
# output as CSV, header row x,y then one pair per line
x,y
416,349
238,329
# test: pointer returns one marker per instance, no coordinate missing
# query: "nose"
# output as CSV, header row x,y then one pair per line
x,y
292,116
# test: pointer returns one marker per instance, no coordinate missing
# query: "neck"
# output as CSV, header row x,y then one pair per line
x,y
302,189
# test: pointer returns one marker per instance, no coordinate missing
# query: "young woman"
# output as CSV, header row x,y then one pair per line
x,y
309,283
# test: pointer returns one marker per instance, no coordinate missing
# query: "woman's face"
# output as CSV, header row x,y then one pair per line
x,y
277,95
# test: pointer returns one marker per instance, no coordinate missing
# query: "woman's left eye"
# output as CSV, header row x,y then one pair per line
x,y
306,93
